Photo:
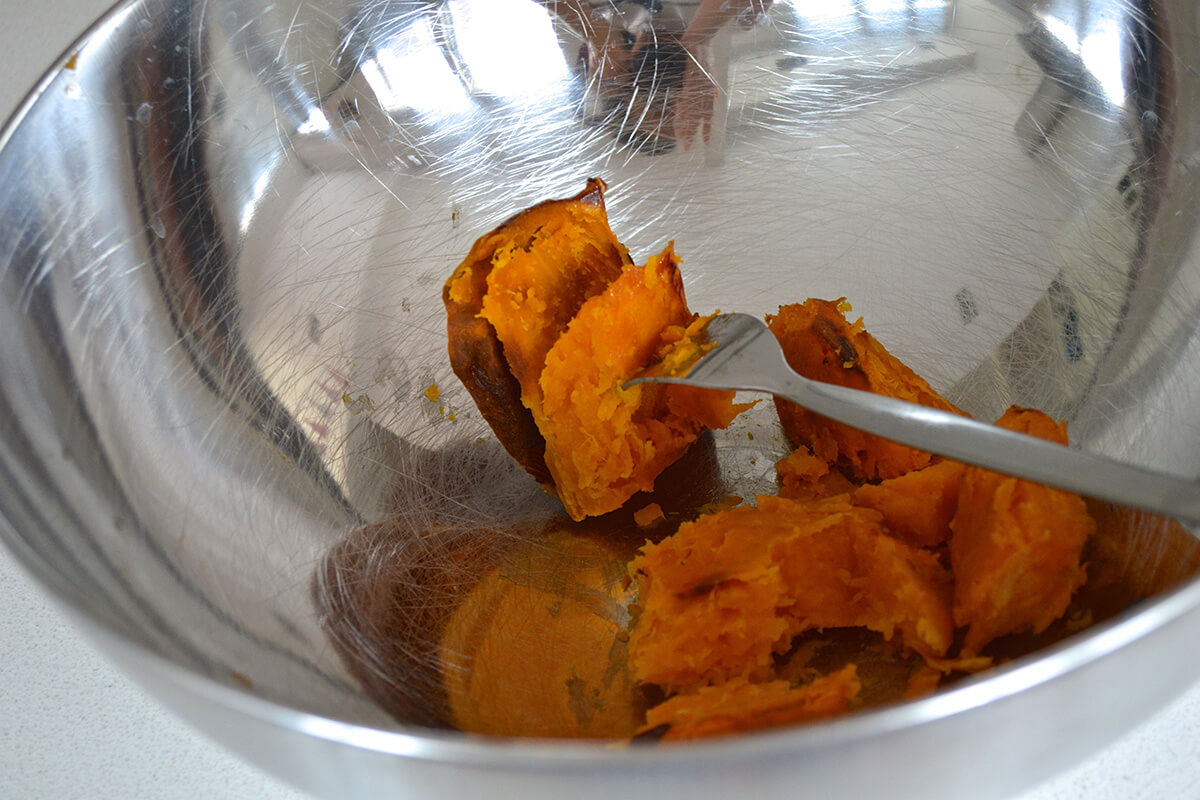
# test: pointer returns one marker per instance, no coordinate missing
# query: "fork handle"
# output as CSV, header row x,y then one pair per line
x,y
965,439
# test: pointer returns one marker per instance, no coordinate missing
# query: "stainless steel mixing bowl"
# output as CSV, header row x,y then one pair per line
x,y
224,225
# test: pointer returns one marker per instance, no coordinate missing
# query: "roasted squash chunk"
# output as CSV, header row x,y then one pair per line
x,y
548,318
605,442
1016,546
739,706
917,506
513,296
820,344
803,476
730,590
746,616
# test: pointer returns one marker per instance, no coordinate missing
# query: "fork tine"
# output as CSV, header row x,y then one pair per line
x,y
746,354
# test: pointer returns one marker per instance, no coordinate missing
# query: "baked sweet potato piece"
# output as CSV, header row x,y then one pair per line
x,y
605,442
919,505
547,319
1015,546
820,344
730,590
739,706
513,296
803,476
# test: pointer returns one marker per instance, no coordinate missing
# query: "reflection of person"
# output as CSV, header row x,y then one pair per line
x,y
694,107
637,50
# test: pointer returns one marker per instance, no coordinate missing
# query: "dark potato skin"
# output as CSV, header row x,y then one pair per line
x,y
477,358
476,353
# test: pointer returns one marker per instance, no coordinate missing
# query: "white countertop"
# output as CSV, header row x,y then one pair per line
x,y
72,726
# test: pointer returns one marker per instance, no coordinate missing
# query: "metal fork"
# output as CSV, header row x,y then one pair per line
x,y
748,357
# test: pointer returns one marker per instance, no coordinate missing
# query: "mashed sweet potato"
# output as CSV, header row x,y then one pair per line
x,y
1016,546
739,706
820,344
548,319
729,591
919,505
933,559
860,537
605,442
803,476
513,295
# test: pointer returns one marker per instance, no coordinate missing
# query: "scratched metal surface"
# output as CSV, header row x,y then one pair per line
x,y
224,227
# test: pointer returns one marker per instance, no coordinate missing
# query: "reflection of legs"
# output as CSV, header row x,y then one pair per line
x,y
1067,84
722,45
910,17
864,18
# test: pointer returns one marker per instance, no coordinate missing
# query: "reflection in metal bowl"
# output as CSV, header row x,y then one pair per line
x,y
220,288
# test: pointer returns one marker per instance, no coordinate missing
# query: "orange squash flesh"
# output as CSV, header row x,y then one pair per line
x,y
820,344
538,284
803,476
917,506
547,319
605,442
730,590
513,295
739,706
1016,546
